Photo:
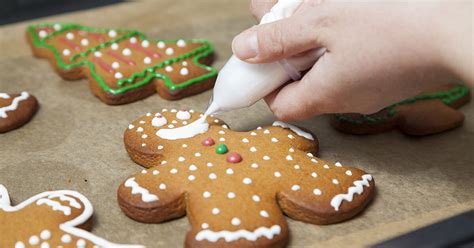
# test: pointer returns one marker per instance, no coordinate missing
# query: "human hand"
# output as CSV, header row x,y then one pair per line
x,y
377,52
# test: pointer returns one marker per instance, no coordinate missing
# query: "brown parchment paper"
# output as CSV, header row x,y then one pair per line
x,y
75,141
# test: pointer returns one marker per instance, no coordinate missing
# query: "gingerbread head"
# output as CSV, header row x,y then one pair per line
x,y
50,219
235,187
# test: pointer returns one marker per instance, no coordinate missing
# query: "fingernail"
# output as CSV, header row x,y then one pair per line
x,y
245,45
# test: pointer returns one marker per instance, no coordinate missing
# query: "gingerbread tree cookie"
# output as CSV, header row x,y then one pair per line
x,y
16,110
428,113
50,219
123,65
235,186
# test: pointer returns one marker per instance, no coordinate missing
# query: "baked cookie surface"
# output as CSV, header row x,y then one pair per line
x,y
235,187
428,113
124,66
50,219
16,110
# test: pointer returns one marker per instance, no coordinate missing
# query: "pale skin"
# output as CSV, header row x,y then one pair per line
x,y
378,52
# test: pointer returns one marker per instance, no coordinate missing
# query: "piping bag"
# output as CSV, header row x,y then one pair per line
x,y
241,84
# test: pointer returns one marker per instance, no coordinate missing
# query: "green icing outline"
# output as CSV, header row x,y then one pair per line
x,y
447,97
203,51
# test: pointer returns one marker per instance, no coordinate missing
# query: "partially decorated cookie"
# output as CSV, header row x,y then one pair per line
x,y
50,219
428,113
123,65
16,110
235,187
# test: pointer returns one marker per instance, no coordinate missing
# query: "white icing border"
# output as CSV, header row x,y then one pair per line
x,y
14,105
293,128
69,226
230,236
197,127
357,188
137,189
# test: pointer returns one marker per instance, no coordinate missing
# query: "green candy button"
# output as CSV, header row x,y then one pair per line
x,y
221,149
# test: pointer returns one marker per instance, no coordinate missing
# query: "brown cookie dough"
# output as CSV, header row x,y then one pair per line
x,y
233,186
16,110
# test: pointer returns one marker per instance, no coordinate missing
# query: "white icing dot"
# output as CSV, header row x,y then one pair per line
x,y
161,44
297,166
258,128
348,172
289,157
295,187
164,162
140,129
274,140
314,160
225,126
277,174
184,71
130,126
209,164
291,150
145,43
173,110
266,131
160,147
114,46
144,136
326,166
57,26
66,238
118,75
266,157
309,155
206,194
142,122
231,195
204,225
170,126
155,172
197,154
162,186
229,171
44,245
181,159
184,146
337,164
245,140
169,51
174,171
184,63
115,65
247,180
45,235
317,191
143,171
181,43
254,165
70,36
253,133
221,139
256,198
147,60
192,167
191,177
235,221
215,211
133,40
253,149
216,121
127,52
81,243
291,136
221,132
112,33
264,214
335,181
34,240
66,52
212,176
169,68
185,123
42,33
84,42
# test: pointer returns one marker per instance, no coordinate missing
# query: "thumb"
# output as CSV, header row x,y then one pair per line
x,y
277,40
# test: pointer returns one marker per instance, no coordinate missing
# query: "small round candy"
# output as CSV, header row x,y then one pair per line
x,y
208,142
221,149
234,157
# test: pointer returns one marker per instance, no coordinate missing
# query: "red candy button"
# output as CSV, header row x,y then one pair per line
x,y
234,157
208,142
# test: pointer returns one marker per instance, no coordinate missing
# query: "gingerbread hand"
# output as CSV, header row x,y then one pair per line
x,y
49,219
122,65
235,186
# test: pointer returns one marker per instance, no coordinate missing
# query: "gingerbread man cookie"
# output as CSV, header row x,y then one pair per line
x,y
235,186
16,110
428,113
123,65
50,219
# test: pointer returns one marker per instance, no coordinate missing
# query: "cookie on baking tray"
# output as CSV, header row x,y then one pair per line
x,y
50,219
428,113
16,110
233,186
122,65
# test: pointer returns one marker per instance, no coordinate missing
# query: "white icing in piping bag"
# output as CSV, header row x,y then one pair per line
x,y
240,84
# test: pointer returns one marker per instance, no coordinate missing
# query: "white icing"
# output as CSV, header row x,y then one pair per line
x,y
145,43
84,42
264,214
14,105
66,238
317,192
45,234
70,36
19,244
115,65
147,60
215,211
159,121
197,127
274,140
295,187
66,52
184,71
72,202
169,68
293,128
4,96
127,52
114,46
235,221
118,75
229,236
68,227
133,40
57,26
247,181
112,33
231,195
335,181
137,189
34,240
169,51
181,43
42,33
183,115
98,54
256,198
358,188
277,174
55,205
161,44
